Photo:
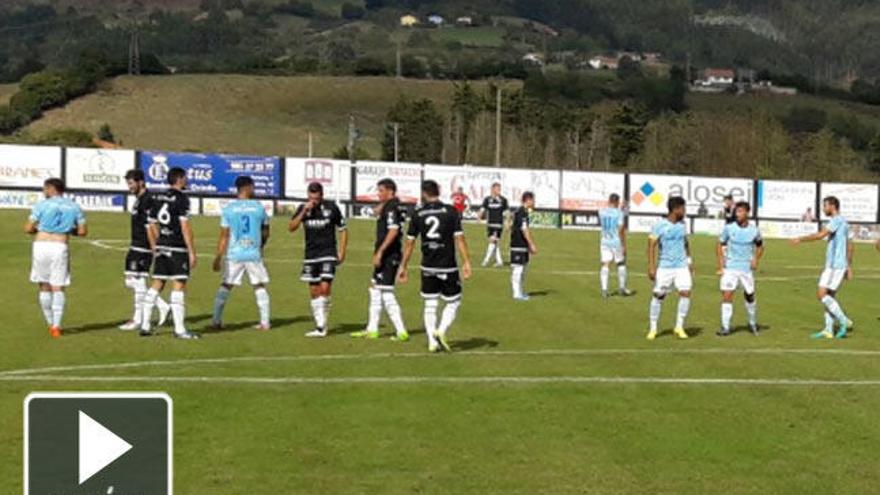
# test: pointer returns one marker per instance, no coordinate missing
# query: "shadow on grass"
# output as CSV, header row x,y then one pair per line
x,y
690,331
277,324
473,343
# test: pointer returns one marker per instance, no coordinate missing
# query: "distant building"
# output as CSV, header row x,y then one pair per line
x,y
717,77
465,20
436,20
602,62
652,58
534,58
409,20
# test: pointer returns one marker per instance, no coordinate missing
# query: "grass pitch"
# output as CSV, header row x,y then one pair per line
x,y
558,395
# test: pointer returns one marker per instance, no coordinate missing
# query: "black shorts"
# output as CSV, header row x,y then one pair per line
x,y
519,257
171,265
445,285
315,272
494,232
385,275
137,263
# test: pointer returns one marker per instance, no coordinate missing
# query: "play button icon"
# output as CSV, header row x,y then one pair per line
x,y
98,447
88,443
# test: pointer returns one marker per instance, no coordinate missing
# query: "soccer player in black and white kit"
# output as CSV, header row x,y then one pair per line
x,y
387,254
521,246
140,253
439,226
175,252
322,219
494,211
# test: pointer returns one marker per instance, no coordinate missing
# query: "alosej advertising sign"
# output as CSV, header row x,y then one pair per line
x,y
649,193
28,166
213,174
98,169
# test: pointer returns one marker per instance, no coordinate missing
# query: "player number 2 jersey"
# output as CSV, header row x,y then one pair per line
x,y
169,210
611,219
495,209
836,252
321,224
741,242
437,224
672,239
245,220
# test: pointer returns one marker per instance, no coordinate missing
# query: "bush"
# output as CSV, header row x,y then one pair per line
x,y
67,137
351,11
370,66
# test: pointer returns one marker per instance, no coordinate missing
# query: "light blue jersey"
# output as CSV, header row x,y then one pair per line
x,y
245,219
835,256
741,243
611,220
57,215
672,238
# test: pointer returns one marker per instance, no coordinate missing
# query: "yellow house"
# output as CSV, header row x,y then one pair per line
x,y
409,20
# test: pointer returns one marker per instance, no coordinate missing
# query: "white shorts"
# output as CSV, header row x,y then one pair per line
x,y
50,264
610,254
233,272
731,279
832,278
667,278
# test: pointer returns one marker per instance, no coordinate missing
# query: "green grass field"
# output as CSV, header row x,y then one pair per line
x,y
558,395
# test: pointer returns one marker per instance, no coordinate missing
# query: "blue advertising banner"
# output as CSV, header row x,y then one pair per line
x,y
213,174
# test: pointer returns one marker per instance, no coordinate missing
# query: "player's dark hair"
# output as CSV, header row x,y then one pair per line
x,y
135,174
496,184
431,188
175,174
55,183
674,203
743,204
388,184
528,195
316,187
833,201
243,181
614,198
730,197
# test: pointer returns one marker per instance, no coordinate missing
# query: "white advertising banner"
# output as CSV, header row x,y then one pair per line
x,y
649,193
710,226
589,191
407,176
642,225
212,207
98,169
858,202
476,182
786,230
334,175
28,166
15,200
786,200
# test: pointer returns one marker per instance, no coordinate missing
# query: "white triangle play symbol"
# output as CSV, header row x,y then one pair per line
x,y
98,447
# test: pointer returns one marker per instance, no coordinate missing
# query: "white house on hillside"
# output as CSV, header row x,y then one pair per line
x,y
717,77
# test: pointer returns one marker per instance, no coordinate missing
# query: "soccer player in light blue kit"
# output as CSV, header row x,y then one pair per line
x,y
52,222
668,243
838,266
244,231
739,250
613,245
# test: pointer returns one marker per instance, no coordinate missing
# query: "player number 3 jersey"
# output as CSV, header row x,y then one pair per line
x,y
245,220
437,224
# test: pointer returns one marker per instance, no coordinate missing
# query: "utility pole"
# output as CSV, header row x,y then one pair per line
x,y
353,135
396,142
399,62
134,54
311,149
498,126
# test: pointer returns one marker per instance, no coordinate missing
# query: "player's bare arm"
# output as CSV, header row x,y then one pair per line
x,y
297,220
622,234
264,236
759,253
188,238
390,237
652,258
719,257
850,251
690,258
461,244
533,248
408,248
818,236
222,244
343,246
30,227
152,235
82,230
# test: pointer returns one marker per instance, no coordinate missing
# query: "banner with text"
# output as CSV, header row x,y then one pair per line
x,y
589,191
19,200
858,202
771,229
788,200
213,207
28,166
213,174
89,168
99,202
334,175
407,176
649,193
476,182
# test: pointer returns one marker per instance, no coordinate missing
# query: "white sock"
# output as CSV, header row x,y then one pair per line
x,y
263,305
726,315
490,250
220,303
516,276
178,311
656,307
449,314
603,278
834,308
163,306
318,313
829,322
150,299
375,312
684,306
58,300
498,259
393,310
621,276
46,305
752,310
139,285
431,319
328,303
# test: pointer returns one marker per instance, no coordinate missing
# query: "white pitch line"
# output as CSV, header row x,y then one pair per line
x,y
446,380
346,357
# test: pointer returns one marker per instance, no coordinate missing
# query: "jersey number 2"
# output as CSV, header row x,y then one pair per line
x,y
433,224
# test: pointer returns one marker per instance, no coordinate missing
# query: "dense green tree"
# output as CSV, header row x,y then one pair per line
x,y
419,127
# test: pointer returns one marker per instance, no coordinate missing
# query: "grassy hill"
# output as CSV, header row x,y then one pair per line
x,y
6,91
268,115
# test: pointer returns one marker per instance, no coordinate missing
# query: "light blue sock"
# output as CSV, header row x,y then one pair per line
x,y
834,308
